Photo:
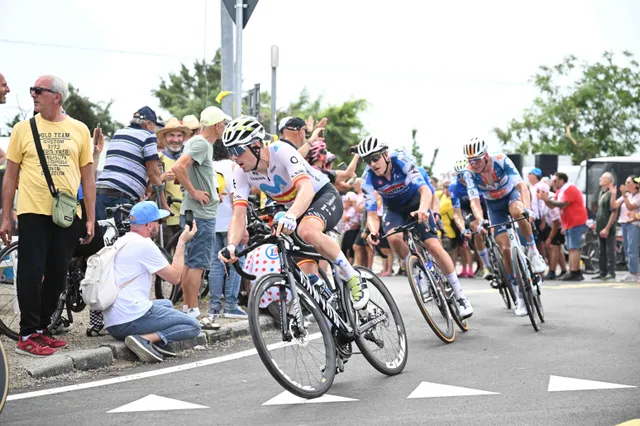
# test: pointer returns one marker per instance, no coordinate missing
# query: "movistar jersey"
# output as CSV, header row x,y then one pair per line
x,y
286,168
405,181
505,179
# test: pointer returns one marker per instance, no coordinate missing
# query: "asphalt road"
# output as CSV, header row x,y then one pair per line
x,y
592,334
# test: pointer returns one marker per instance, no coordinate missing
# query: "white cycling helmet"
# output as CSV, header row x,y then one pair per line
x,y
370,145
475,148
460,166
243,131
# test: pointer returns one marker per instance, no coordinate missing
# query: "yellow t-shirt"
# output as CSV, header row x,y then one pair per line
x,y
67,146
173,189
446,211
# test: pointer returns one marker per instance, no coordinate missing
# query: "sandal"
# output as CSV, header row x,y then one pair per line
x,y
208,323
96,331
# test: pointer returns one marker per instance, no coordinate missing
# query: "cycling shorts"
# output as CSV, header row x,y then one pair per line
x,y
499,210
326,206
399,216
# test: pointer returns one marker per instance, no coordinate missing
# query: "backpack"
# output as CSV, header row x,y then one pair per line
x,y
99,288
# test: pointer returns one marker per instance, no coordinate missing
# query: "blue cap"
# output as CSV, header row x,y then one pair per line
x,y
146,113
146,212
536,171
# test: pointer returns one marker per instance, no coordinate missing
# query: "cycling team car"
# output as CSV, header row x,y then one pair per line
x,y
464,216
496,178
283,175
404,192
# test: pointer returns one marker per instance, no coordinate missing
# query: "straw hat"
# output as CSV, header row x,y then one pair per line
x,y
191,121
173,125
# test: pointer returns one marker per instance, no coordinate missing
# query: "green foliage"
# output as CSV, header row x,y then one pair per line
x,y
600,107
90,113
415,148
185,92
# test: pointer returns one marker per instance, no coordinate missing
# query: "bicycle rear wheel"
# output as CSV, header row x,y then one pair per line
x,y
524,285
430,299
4,377
385,344
306,364
9,309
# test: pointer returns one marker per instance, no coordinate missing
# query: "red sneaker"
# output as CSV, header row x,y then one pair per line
x,y
33,347
51,341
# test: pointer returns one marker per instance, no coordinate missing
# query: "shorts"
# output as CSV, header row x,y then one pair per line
x,y
468,216
362,242
326,206
395,218
499,210
384,243
199,252
348,238
574,236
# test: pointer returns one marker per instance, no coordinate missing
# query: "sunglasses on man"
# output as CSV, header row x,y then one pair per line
x,y
237,151
296,129
474,160
372,158
38,90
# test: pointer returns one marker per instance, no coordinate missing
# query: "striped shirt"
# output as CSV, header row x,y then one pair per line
x,y
125,167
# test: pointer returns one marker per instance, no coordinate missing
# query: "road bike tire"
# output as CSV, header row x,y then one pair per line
x,y
417,272
537,301
10,323
4,377
270,345
524,285
60,307
164,289
504,287
369,342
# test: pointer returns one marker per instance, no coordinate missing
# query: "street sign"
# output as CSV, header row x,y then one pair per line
x,y
249,6
253,101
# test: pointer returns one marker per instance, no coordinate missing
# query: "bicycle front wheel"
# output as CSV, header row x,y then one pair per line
x,y
524,284
430,299
9,309
385,344
506,291
4,377
305,365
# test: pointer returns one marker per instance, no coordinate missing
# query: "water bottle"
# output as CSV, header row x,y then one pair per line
x,y
320,285
429,264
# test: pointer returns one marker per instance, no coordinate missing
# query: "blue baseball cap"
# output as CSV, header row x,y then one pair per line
x,y
146,212
146,113
536,172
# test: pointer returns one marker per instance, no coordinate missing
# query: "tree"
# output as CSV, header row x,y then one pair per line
x,y
597,114
415,148
90,113
186,92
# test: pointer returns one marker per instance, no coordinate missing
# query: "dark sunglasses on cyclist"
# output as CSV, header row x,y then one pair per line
x,y
372,158
38,90
474,160
236,151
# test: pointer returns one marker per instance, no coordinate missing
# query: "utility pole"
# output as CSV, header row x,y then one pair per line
x,y
274,66
238,86
226,83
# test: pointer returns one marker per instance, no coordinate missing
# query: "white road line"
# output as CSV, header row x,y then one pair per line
x,y
153,373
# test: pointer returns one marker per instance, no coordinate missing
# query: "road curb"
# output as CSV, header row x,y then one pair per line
x,y
103,356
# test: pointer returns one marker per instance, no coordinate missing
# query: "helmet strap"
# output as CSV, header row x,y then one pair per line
x,y
255,150
387,161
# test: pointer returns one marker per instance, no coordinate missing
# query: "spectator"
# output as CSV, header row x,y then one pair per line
x,y
131,162
385,248
539,209
4,89
363,252
450,238
196,173
351,219
552,236
172,138
605,220
191,121
224,168
148,326
573,215
45,247
295,132
628,204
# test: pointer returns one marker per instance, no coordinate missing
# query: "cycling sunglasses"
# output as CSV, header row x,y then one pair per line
x,y
236,151
372,158
38,90
474,160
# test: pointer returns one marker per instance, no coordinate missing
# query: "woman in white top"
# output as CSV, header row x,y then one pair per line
x,y
628,204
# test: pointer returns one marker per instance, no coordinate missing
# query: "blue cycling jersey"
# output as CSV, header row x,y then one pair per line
x,y
405,181
505,179
460,196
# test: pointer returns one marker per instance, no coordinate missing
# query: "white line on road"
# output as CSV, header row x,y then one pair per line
x,y
153,373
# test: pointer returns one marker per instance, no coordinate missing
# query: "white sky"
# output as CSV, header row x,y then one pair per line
x,y
450,69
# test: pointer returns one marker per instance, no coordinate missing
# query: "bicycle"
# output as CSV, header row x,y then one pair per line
x,y
500,279
527,281
308,314
4,377
70,299
431,289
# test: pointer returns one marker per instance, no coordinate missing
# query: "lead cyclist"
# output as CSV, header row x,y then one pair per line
x,y
281,173
505,193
